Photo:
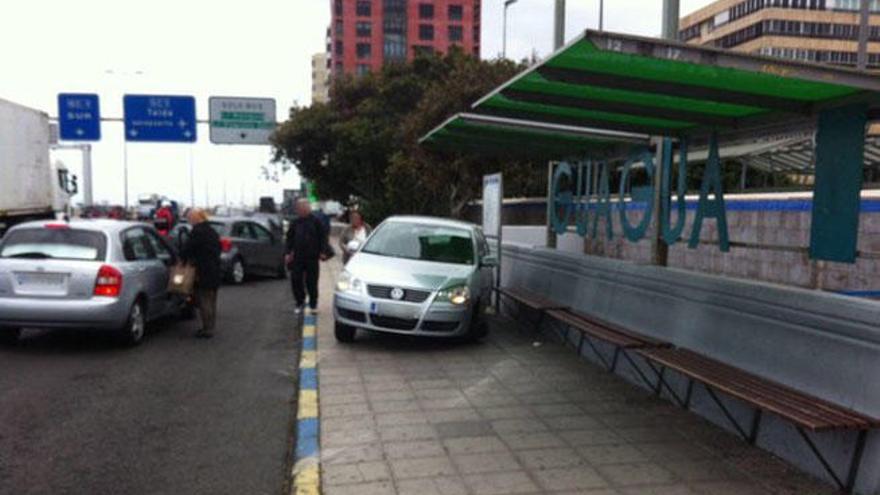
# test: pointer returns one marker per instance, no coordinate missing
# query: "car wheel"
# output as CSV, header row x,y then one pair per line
x,y
479,327
136,326
344,333
237,274
9,336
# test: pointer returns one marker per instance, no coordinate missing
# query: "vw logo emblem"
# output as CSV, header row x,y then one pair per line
x,y
396,294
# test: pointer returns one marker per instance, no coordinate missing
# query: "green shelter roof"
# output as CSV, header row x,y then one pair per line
x,y
648,87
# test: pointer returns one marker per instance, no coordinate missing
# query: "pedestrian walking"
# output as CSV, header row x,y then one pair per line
x,y
164,219
356,232
307,246
203,251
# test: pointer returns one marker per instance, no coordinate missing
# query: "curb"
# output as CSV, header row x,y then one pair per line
x,y
307,465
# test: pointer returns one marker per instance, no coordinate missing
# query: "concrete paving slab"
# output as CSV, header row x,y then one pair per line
x,y
407,416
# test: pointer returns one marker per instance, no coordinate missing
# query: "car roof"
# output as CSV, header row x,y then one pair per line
x,y
426,220
96,225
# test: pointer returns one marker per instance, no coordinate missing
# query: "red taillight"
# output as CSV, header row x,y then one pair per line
x,y
109,282
56,226
226,244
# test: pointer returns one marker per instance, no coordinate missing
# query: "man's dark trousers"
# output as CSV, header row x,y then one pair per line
x,y
304,276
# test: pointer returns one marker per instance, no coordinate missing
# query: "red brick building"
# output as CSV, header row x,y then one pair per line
x,y
364,34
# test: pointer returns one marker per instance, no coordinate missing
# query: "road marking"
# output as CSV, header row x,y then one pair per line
x,y
307,468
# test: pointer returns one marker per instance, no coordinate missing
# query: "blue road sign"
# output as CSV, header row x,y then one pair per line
x,y
158,118
79,117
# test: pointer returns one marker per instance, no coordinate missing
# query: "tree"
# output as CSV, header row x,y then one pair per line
x,y
364,143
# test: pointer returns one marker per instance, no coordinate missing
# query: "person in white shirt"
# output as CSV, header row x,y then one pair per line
x,y
357,230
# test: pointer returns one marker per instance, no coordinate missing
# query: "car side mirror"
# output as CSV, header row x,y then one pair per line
x,y
489,261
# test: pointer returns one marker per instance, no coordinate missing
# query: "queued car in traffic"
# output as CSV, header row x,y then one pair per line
x,y
103,275
248,248
418,276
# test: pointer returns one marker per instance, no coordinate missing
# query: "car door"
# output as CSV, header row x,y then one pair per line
x,y
166,255
244,240
270,249
149,269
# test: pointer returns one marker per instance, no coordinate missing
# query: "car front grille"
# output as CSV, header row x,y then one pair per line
x,y
352,315
409,295
393,323
440,326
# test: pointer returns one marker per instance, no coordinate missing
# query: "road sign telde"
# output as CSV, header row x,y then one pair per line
x,y
160,118
241,120
79,117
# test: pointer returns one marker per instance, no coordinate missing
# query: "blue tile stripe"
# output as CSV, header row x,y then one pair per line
x,y
307,452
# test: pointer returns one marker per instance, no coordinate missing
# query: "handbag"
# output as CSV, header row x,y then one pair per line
x,y
182,279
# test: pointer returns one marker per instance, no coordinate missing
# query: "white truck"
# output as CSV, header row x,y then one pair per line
x,y
30,186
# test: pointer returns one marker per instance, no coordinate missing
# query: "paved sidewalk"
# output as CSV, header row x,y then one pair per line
x,y
513,416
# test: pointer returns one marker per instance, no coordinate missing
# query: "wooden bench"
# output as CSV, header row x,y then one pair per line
x,y
622,339
531,300
807,413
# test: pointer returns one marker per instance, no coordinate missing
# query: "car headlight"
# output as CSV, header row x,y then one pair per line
x,y
459,295
349,283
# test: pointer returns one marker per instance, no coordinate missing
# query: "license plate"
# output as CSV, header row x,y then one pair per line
x,y
53,282
394,310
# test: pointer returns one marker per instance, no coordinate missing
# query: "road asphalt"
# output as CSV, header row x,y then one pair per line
x,y
176,415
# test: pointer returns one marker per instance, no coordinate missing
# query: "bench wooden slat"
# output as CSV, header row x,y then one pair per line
x,y
648,340
772,391
530,299
805,410
608,335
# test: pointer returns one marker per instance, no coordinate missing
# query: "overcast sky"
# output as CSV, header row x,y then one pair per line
x,y
257,48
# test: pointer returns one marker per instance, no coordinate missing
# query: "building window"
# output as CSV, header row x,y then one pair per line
x,y
420,50
339,27
455,33
338,7
394,47
362,69
426,11
476,35
456,12
426,32
364,8
339,48
364,29
364,50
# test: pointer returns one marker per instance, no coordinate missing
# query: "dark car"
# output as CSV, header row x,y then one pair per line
x,y
248,248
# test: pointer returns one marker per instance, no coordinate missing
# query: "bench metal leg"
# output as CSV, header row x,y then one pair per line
x,y
614,360
856,461
581,345
637,369
661,382
726,412
596,351
688,395
822,459
756,426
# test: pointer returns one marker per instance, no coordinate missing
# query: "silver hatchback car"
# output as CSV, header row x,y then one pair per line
x,y
417,276
84,274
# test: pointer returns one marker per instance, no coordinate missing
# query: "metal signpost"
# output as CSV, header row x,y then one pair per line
x,y
493,196
79,117
241,120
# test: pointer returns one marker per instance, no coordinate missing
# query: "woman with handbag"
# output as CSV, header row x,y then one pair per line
x,y
202,250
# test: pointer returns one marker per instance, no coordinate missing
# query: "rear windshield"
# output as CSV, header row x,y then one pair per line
x,y
63,244
219,228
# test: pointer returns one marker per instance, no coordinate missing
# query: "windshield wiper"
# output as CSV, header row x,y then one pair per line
x,y
30,255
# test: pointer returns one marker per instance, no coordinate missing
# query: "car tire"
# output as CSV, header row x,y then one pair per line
x,y
132,333
9,336
237,273
479,327
344,333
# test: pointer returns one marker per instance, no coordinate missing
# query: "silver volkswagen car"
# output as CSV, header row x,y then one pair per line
x,y
84,274
417,276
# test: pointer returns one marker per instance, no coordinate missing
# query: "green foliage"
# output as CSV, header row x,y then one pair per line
x,y
364,143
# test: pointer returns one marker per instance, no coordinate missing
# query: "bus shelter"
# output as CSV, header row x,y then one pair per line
x,y
607,95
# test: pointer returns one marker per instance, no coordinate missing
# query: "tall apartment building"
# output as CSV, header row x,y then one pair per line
x,y
365,34
320,78
825,31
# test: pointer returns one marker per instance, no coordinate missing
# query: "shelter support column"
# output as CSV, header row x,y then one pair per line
x,y
659,248
551,234
839,155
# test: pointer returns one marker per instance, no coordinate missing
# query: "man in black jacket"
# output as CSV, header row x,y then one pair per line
x,y
307,246
203,251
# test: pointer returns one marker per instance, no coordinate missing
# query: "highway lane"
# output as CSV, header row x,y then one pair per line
x,y
177,415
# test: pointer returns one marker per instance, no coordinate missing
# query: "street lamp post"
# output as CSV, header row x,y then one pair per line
x,y
507,3
601,15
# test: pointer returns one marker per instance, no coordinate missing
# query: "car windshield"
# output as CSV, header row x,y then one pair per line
x,y
423,242
46,243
